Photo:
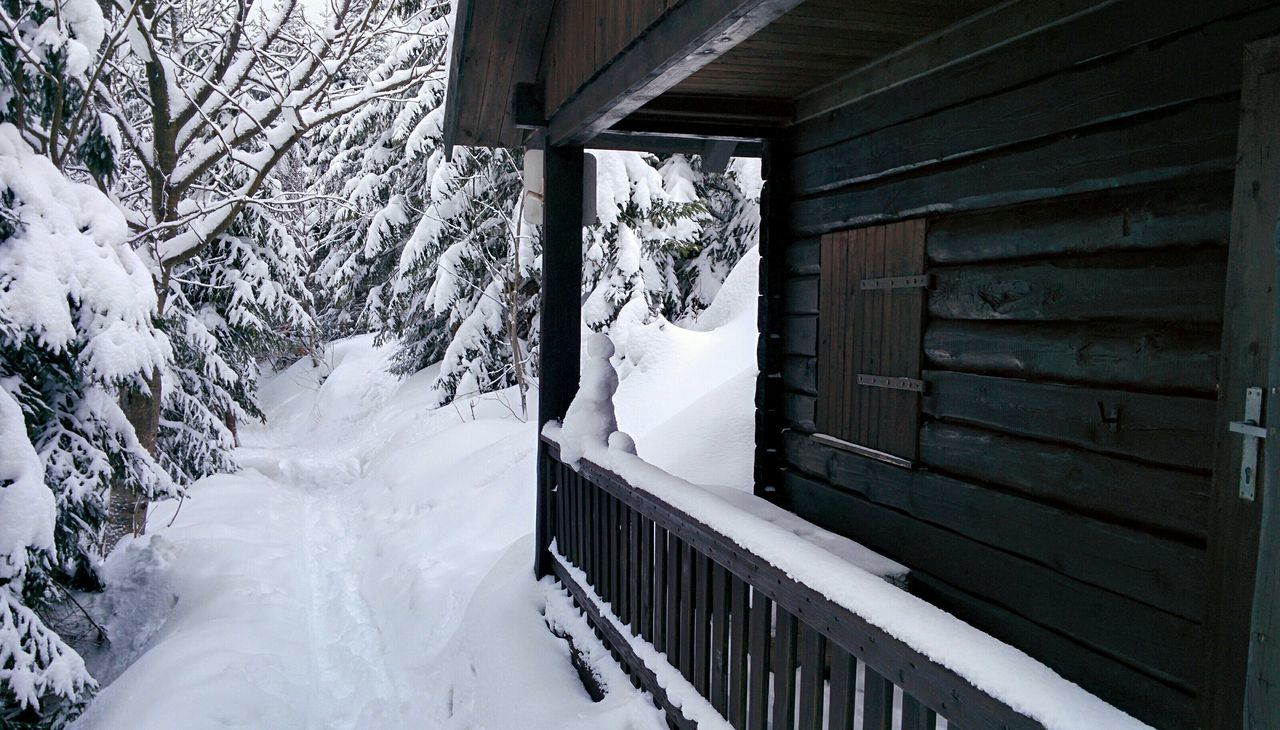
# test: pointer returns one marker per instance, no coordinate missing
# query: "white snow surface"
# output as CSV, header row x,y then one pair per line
x,y
371,567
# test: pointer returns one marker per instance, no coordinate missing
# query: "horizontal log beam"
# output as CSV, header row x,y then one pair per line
x,y
1177,358
1162,429
1177,286
689,36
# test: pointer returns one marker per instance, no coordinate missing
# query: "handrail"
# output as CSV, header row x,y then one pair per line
x,y
921,679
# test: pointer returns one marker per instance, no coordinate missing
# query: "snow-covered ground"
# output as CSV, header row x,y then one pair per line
x,y
370,566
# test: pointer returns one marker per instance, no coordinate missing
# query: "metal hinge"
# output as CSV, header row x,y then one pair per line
x,y
1252,430
881,381
918,281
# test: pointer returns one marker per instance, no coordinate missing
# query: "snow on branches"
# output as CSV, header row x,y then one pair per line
x,y
76,307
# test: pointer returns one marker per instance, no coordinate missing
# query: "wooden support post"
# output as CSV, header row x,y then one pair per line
x,y
560,336
1241,667
774,238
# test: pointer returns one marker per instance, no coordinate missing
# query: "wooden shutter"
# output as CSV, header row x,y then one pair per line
x,y
870,314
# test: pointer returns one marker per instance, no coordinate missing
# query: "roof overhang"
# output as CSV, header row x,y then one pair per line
x,y
688,73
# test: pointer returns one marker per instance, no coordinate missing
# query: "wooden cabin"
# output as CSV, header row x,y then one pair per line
x,y
1017,302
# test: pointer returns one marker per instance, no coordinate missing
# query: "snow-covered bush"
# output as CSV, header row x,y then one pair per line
x,y
76,307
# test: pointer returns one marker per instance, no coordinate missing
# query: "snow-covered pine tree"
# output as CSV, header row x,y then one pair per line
x,y
464,292
76,328
373,168
649,220
733,201
76,309
421,249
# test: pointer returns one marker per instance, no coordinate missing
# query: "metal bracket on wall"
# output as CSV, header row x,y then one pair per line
x,y
918,281
881,381
1253,433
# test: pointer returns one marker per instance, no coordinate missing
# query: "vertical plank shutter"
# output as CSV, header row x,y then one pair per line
x,y
870,313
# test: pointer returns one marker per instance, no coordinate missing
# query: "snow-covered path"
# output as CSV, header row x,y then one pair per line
x,y
368,568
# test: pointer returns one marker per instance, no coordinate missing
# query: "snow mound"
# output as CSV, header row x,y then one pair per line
x,y
685,388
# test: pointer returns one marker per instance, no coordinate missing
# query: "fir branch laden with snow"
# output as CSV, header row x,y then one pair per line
x,y
76,308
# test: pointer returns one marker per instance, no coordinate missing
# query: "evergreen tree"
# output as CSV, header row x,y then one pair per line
x,y
76,311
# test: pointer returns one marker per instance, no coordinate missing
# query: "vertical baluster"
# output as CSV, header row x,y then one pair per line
x,y
619,562
760,623
626,566
844,688
686,610
645,537
606,546
739,595
622,606
701,622
633,570
719,638
611,536
784,671
580,510
597,540
558,529
567,547
877,701
575,526
659,587
673,600
916,716
813,654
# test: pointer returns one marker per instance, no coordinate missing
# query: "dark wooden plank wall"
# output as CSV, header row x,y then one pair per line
x,y
1078,188
584,35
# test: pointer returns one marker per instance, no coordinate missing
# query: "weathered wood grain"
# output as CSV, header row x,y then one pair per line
x,y
1168,286
1158,571
1160,644
1145,150
1199,64
1180,359
1103,486
942,81
1195,212
1165,429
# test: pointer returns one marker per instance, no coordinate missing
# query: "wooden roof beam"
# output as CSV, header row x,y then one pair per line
x,y
689,36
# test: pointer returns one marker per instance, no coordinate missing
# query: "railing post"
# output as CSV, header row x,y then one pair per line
x,y
560,334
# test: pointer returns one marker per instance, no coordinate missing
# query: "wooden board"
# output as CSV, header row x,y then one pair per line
x,y
1157,428
1147,150
1147,357
1161,645
1169,286
1164,573
1196,65
1194,212
940,80
1169,500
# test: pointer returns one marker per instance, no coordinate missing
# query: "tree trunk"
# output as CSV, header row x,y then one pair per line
x,y
127,507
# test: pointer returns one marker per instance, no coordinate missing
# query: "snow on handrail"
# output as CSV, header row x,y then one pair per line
x,y
995,668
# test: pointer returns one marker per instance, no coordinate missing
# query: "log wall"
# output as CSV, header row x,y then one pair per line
x,y
1078,185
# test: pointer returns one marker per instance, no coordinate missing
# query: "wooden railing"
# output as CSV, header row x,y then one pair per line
x,y
764,650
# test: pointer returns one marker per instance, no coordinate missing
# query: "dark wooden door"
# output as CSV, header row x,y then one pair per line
x,y
1241,685
871,307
